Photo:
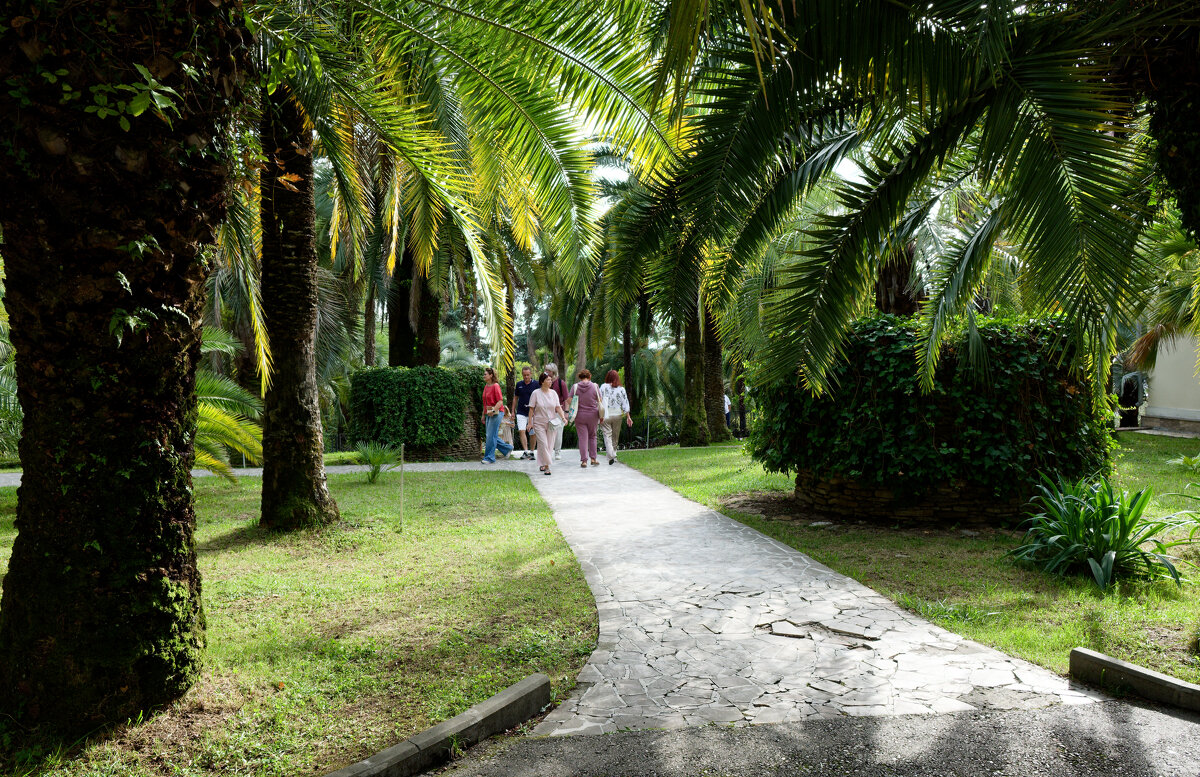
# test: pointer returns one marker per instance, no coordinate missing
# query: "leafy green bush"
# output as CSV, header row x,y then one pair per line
x,y
1088,526
1031,412
419,406
379,458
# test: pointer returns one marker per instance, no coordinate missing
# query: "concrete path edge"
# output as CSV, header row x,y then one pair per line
x,y
434,745
1105,671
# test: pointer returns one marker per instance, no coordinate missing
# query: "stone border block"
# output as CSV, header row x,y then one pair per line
x,y
1105,671
513,705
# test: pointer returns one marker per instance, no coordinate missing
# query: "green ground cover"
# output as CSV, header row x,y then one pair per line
x,y
327,647
963,582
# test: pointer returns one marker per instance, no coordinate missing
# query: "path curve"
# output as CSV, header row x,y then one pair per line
x,y
703,619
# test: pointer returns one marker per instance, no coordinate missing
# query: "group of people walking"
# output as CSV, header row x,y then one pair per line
x,y
542,414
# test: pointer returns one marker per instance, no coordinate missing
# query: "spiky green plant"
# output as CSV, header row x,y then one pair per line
x,y
379,457
1089,526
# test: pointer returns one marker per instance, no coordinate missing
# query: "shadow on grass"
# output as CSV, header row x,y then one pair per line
x,y
240,537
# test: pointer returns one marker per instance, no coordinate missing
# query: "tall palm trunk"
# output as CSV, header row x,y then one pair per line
x,y
103,228
429,322
693,427
627,362
402,340
369,326
714,382
294,492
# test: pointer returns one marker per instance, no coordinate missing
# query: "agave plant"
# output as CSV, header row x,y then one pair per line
x,y
1089,526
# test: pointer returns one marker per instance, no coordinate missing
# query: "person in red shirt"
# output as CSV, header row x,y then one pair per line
x,y
493,414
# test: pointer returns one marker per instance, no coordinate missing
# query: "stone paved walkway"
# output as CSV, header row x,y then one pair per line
x,y
705,620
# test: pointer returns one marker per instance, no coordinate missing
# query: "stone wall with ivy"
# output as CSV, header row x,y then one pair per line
x,y
970,449
433,411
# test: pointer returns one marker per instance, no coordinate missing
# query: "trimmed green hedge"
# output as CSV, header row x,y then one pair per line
x,y
419,406
1033,414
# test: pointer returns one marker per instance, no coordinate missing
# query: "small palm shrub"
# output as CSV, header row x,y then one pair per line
x,y
1087,526
378,457
1191,463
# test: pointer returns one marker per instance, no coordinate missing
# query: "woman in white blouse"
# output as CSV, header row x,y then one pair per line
x,y
615,402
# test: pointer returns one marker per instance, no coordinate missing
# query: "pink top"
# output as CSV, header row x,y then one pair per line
x,y
542,405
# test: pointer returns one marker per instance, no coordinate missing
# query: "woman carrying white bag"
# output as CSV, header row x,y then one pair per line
x,y
614,407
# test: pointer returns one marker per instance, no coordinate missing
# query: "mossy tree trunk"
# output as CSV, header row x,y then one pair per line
x,y
104,227
714,382
294,492
693,427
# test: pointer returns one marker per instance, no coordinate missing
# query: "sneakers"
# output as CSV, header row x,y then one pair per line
x,y
486,461
558,455
611,460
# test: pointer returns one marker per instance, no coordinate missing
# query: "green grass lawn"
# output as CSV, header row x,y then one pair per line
x,y
327,647
965,583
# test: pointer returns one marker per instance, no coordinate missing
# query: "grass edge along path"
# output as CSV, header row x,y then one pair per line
x,y
962,581
329,646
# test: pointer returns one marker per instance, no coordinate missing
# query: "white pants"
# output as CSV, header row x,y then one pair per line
x,y
611,429
557,432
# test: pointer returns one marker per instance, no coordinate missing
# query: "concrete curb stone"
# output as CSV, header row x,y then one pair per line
x,y
434,745
1105,671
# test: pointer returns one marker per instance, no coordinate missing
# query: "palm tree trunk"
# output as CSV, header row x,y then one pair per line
x,y
739,387
627,362
714,383
369,326
402,340
294,492
693,427
429,321
580,354
103,230
1173,79
510,381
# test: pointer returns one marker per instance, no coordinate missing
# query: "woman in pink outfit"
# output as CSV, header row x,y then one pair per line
x,y
588,417
544,408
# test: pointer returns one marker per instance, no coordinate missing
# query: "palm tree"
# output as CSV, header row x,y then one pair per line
x,y
104,225
1019,100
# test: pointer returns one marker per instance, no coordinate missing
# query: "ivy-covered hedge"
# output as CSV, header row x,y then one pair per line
x,y
419,406
877,430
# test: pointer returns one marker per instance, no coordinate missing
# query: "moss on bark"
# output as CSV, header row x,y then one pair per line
x,y
103,226
295,494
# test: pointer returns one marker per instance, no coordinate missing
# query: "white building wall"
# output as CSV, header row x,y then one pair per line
x,y
1174,388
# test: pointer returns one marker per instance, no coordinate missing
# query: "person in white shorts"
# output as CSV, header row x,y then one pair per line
x,y
522,391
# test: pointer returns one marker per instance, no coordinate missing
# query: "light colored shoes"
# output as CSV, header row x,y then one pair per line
x,y
558,455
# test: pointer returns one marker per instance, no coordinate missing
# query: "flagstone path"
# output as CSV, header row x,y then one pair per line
x,y
704,620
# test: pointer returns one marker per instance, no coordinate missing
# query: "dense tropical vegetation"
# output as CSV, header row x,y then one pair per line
x,y
689,193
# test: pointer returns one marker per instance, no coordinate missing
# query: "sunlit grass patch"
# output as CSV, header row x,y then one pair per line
x,y
328,646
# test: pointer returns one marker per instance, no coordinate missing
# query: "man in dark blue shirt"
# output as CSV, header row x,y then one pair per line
x,y
524,390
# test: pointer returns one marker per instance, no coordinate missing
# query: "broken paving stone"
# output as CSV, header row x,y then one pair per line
x,y
788,629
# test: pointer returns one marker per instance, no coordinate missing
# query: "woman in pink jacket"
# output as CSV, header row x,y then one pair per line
x,y
587,418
